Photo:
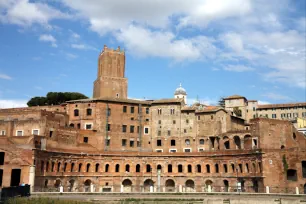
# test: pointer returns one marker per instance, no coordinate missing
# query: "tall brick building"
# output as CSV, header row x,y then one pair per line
x,y
112,143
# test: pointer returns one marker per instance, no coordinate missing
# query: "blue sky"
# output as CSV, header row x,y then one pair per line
x,y
254,48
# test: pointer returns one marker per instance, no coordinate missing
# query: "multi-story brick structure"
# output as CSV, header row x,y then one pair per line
x,y
112,143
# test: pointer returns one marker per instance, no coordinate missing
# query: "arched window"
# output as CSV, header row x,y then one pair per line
x,y
159,167
199,170
225,168
201,141
149,168
117,167
76,112
89,111
80,167
180,168
47,167
170,168
106,167
87,167
247,167
127,168
72,167
189,168
71,125
138,168
207,168
217,168
97,167
52,167
187,142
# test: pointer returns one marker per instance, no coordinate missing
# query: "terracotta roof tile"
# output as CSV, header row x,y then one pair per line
x,y
285,105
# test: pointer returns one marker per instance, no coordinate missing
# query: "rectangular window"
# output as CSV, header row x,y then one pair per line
x,y
187,121
35,132
159,150
132,109
187,150
147,119
172,142
147,110
108,142
185,131
159,111
124,128
131,143
132,129
174,122
88,111
19,132
108,127
159,133
254,109
273,115
124,109
137,129
169,132
201,150
172,111
172,150
108,112
158,143
146,130
88,126
2,132
2,155
85,139
199,117
159,122
123,142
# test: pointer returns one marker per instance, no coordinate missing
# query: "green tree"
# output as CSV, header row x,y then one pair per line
x,y
221,102
55,98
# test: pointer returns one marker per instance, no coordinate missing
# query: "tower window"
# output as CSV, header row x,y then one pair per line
x,y
124,109
147,110
158,143
85,139
76,112
89,111
132,109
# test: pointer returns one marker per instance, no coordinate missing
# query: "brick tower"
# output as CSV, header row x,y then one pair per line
x,y
111,81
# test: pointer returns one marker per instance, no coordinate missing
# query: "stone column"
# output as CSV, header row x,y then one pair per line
x,y
158,180
297,190
267,189
32,178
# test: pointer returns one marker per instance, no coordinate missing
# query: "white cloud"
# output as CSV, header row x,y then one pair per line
x,y
75,35
71,56
26,13
144,42
83,47
263,102
8,103
276,96
48,38
238,68
4,76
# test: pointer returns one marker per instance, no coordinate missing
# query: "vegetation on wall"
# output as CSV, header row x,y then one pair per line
x,y
55,98
237,111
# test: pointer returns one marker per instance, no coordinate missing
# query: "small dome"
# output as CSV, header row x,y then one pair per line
x,y
180,91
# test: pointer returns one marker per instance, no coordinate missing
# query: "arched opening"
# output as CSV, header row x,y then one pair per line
x,y
65,167
71,125
190,187
226,142
148,185
46,183
291,175
42,166
87,185
208,185
282,147
127,185
226,185
47,167
127,168
97,167
138,168
294,136
189,168
71,185
247,168
159,168
57,183
201,141
148,168
80,167
199,170
87,167
255,185
170,185
254,167
76,112
106,167
247,142
207,168
52,166
72,167
225,168
180,168
237,142
117,168
169,168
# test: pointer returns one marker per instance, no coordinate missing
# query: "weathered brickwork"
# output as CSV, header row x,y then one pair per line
x,y
115,144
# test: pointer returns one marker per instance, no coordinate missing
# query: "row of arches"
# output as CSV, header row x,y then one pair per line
x,y
253,167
